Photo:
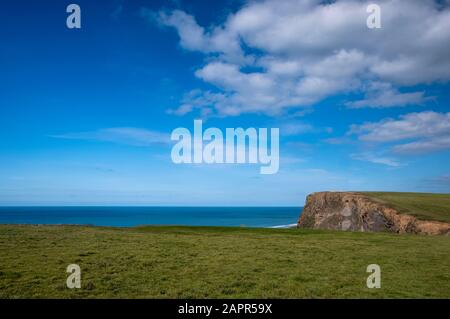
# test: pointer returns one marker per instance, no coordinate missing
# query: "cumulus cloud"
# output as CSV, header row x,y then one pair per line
x,y
412,125
309,50
422,132
194,37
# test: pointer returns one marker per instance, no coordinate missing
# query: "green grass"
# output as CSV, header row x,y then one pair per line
x,y
424,206
215,262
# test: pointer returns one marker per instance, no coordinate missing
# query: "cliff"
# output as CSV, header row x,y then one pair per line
x,y
356,212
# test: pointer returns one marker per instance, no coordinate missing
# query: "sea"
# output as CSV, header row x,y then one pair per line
x,y
119,216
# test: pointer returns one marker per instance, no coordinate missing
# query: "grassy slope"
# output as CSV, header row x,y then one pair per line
x,y
208,262
422,205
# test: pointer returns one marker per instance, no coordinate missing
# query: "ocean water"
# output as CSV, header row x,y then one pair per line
x,y
134,216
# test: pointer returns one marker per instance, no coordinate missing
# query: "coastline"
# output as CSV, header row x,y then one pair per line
x,y
294,225
260,217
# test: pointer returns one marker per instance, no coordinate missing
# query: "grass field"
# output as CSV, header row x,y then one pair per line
x,y
422,205
212,262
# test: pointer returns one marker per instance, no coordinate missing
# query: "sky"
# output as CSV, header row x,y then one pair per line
x,y
86,114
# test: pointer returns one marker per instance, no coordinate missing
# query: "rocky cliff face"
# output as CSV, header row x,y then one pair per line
x,y
356,212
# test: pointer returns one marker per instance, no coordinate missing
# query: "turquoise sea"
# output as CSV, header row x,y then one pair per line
x,y
134,216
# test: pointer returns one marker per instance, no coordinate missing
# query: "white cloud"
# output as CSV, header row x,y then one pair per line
x,y
412,125
309,50
196,99
368,157
424,146
383,95
121,135
295,128
195,38
192,36
422,132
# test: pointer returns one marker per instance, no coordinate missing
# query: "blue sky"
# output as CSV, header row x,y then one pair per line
x,y
84,114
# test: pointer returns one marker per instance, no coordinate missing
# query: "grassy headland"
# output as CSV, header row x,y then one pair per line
x,y
424,206
215,262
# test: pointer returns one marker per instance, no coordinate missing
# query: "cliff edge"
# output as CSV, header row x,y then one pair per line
x,y
353,211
